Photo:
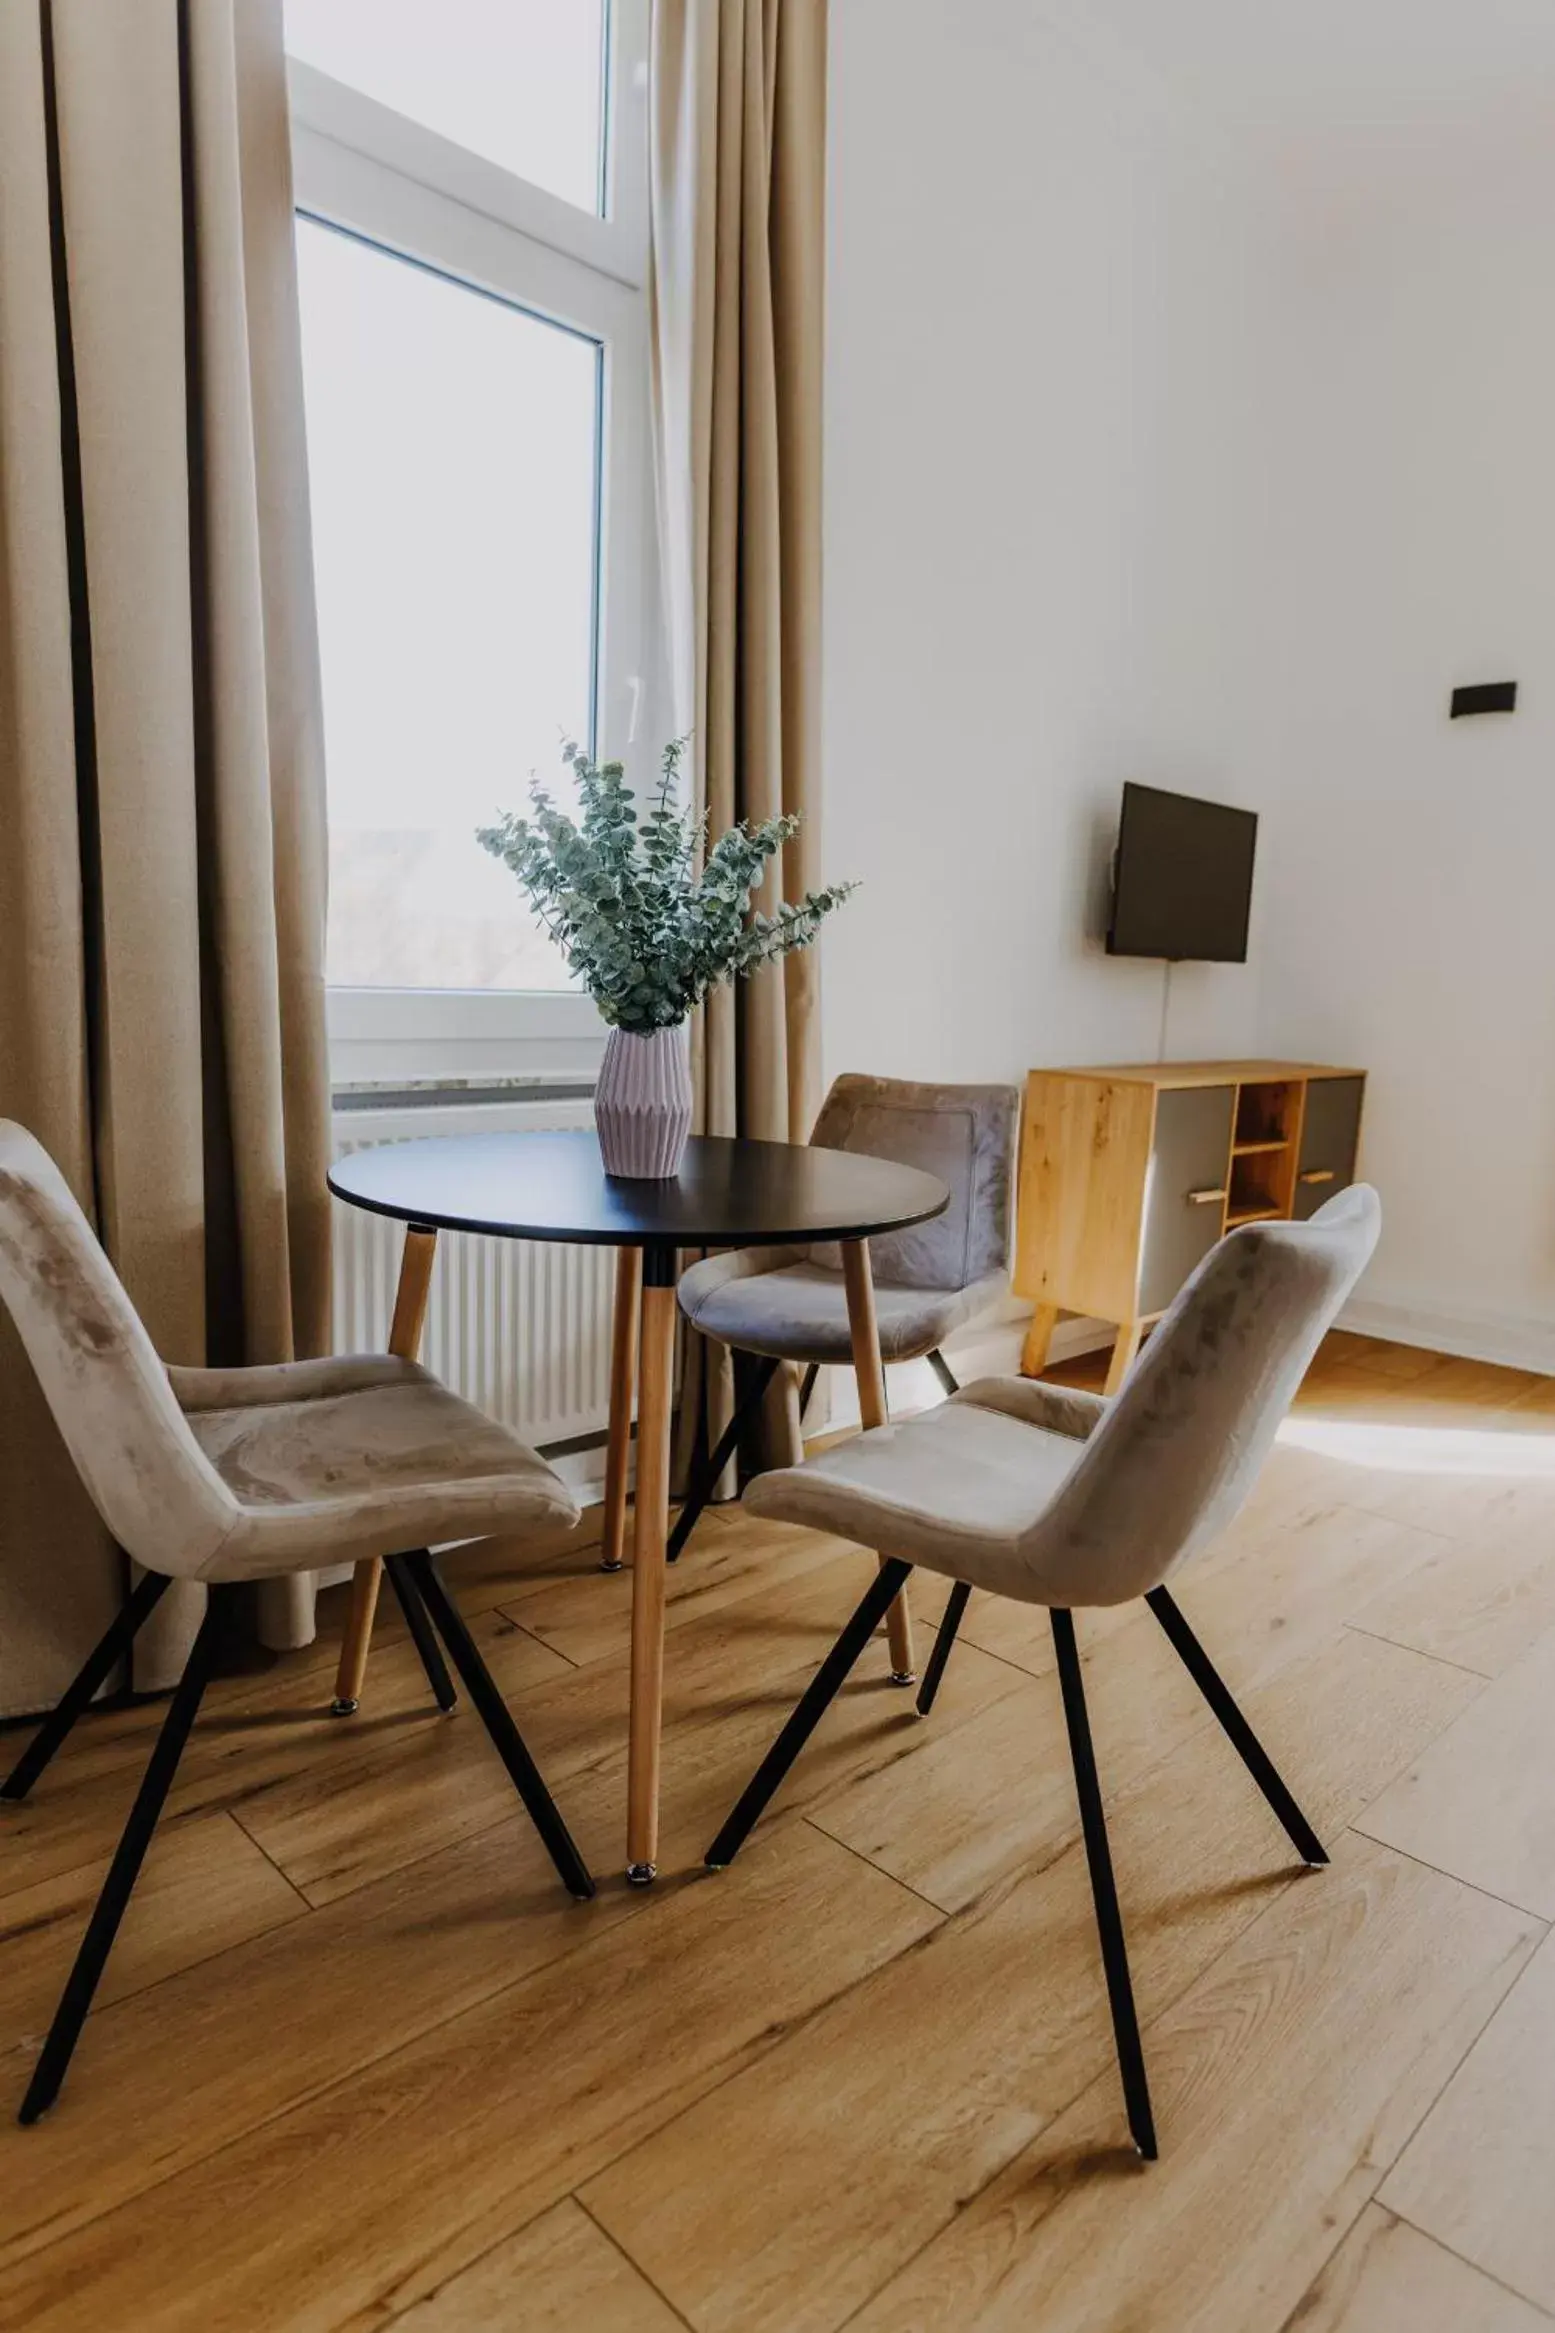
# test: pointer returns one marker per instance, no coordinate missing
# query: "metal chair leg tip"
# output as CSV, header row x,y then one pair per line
x,y
715,1863
904,1676
607,1566
641,1874
342,1707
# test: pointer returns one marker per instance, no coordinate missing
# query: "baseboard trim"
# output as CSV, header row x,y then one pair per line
x,y
583,1471
1502,1338
1510,1340
995,1351
1506,1339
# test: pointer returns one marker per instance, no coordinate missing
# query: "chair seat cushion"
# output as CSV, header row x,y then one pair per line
x,y
333,1460
954,1490
799,1312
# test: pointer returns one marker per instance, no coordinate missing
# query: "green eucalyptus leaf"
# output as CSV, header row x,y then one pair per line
x,y
621,894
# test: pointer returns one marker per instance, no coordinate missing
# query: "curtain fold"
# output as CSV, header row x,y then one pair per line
x,y
738,146
162,904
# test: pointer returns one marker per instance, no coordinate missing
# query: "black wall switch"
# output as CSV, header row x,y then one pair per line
x,y
1491,696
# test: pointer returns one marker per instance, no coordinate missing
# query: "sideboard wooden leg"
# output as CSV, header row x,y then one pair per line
x,y
1039,1340
1129,1334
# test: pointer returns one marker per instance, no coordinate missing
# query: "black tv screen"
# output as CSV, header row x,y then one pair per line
x,y
1182,881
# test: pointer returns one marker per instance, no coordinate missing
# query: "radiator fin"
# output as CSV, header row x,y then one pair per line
x,y
520,1327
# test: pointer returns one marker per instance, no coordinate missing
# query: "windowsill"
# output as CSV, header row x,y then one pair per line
x,y
424,1093
462,1046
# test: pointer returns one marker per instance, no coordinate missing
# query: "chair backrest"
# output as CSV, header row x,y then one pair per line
x,y
965,1134
144,1471
1181,1446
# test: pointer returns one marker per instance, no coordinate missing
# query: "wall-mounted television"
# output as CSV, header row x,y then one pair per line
x,y
1182,879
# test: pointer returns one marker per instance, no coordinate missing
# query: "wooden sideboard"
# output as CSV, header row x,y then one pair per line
x,y
1129,1176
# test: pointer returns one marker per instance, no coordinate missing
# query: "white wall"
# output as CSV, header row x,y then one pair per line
x,y
1409,861
1037,378
1219,483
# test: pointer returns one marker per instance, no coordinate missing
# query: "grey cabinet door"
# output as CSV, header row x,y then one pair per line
x,y
1330,1138
1191,1153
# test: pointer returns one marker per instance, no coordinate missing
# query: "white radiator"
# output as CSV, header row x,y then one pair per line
x,y
519,1327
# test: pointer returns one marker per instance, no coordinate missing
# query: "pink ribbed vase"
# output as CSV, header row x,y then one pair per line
x,y
642,1103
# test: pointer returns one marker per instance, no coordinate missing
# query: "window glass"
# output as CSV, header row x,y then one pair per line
x,y
453,457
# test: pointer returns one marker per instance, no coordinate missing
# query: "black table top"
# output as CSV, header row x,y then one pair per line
x,y
554,1186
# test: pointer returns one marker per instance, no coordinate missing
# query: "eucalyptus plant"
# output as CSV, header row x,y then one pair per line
x,y
622,897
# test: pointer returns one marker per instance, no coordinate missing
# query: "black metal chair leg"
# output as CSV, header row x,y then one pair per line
x,y
78,1694
124,1870
422,1632
703,1482
1246,1743
498,1720
950,1621
808,1712
1109,1920
808,1387
960,1594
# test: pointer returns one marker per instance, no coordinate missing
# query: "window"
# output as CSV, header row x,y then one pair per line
x,y
471,189
452,442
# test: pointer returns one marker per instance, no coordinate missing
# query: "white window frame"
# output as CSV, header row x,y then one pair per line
x,y
361,166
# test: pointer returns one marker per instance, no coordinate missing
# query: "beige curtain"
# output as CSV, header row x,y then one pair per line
x,y
162,874
738,191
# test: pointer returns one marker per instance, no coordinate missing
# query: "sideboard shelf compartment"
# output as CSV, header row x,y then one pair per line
x,y
1129,1175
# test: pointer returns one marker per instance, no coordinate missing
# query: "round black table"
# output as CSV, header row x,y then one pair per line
x,y
727,1194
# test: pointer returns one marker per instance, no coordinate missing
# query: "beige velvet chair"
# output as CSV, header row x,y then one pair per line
x,y
787,1304
231,1475
1061,1498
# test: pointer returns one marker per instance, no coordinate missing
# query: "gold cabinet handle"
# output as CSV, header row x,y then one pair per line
x,y
1317,1175
1206,1198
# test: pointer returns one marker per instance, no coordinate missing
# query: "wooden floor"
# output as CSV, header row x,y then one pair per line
x,y
359,2062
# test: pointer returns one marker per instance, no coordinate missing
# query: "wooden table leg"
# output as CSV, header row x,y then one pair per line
x,y
1039,1340
655,1394
1129,1334
870,1372
410,1312
625,1330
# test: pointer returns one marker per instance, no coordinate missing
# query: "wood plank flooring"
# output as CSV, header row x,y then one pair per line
x,y
359,2063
